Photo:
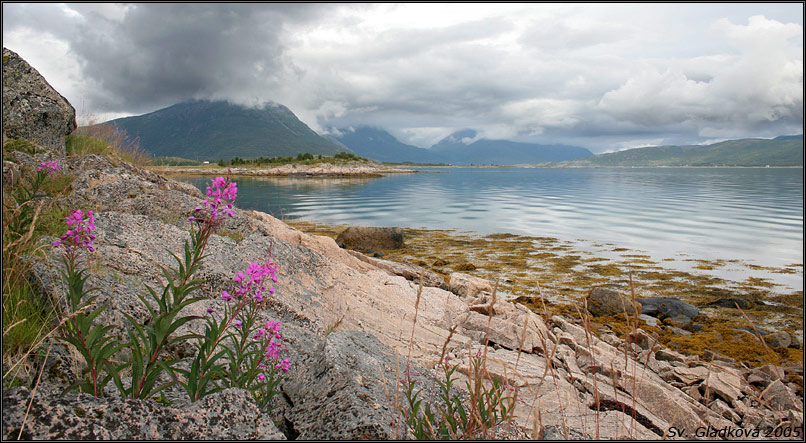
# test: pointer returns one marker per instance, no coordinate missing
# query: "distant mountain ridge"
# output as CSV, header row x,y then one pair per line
x,y
463,148
213,130
780,151
380,145
457,149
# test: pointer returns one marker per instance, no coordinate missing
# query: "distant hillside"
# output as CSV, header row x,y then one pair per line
x,y
459,151
781,151
379,145
213,130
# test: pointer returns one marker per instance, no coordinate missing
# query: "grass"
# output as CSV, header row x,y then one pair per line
x,y
109,141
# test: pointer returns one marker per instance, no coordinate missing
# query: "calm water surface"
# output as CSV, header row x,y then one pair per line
x,y
750,214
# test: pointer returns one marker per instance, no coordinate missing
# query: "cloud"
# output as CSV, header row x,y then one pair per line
x,y
762,85
547,73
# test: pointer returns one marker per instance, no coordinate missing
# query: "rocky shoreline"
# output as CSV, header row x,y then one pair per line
x,y
351,324
351,169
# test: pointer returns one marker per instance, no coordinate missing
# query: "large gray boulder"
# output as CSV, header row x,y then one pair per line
x,y
32,109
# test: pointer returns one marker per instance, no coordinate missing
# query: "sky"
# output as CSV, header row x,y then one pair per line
x,y
604,76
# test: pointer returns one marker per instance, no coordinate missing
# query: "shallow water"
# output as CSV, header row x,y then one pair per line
x,y
750,214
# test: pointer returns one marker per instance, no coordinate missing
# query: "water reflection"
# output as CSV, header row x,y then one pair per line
x,y
753,214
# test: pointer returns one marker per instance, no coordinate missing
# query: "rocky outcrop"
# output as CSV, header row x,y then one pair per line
x,y
370,238
32,109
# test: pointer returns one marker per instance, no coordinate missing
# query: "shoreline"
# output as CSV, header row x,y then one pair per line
x,y
537,270
287,170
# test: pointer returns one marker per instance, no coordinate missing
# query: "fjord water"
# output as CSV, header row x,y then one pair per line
x,y
751,214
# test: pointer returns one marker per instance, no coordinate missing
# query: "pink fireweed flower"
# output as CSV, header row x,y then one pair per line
x,y
261,376
284,365
252,280
237,323
51,166
80,236
225,296
223,192
273,350
273,326
259,334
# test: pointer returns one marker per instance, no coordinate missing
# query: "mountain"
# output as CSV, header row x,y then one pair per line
x,y
213,130
462,148
380,145
781,151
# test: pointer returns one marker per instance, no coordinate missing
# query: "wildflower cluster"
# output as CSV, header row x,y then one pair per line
x,y
223,192
80,236
91,340
50,167
253,279
250,355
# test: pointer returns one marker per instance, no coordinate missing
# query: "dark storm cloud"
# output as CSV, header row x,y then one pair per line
x,y
162,53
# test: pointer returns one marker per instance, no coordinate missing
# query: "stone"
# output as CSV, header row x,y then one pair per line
x,y
361,238
663,307
643,339
406,270
226,415
32,109
606,302
781,398
693,392
379,254
666,354
690,376
651,321
722,408
468,286
772,372
730,303
780,339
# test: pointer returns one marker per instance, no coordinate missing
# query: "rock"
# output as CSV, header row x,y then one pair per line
x,y
370,238
606,302
643,339
465,267
730,303
651,321
227,415
722,408
337,391
465,285
667,307
408,271
666,354
772,372
780,398
379,254
780,339
709,355
32,109
440,263
726,383
11,173
690,376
